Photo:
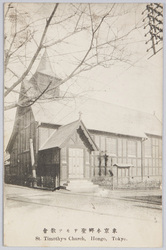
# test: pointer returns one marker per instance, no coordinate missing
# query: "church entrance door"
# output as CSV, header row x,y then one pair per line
x,y
76,160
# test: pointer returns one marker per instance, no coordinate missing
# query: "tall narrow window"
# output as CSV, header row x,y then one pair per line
x,y
148,148
119,146
97,141
63,155
138,149
155,151
160,148
102,143
124,148
92,159
111,144
131,148
87,156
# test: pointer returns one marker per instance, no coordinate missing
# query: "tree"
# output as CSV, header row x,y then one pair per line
x,y
28,33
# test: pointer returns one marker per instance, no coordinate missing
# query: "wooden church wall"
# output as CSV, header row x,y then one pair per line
x,y
74,142
88,168
48,159
64,164
146,156
120,149
20,152
152,157
48,168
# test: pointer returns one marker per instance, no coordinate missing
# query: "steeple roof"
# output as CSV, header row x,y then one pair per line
x,y
45,66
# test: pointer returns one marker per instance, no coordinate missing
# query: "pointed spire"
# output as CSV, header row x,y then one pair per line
x,y
45,66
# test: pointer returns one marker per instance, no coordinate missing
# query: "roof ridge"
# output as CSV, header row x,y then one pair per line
x,y
62,126
122,106
63,134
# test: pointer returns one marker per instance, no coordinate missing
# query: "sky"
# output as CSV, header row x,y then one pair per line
x,y
136,84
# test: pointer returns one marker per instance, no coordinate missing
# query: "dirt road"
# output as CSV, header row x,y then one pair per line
x,y
107,218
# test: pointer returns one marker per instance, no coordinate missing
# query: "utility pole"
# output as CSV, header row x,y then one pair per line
x,y
153,20
33,163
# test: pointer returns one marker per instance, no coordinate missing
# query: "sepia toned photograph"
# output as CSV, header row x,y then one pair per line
x,y
83,106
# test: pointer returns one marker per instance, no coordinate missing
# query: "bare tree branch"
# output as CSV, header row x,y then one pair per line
x,y
9,6
97,51
61,40
36,53
30,102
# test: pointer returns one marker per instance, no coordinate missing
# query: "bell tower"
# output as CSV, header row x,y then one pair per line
x,y
45,79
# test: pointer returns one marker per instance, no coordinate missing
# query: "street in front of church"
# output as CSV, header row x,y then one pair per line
x,y
45,217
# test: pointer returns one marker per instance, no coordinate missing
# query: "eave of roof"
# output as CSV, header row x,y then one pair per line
x,y
99,116
59,137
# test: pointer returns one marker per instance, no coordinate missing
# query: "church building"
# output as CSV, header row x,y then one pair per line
x,y
57,139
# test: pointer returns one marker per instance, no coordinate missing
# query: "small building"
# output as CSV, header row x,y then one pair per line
x,y
52,145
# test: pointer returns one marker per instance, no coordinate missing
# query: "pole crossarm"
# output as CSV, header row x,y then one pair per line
x,y
153,19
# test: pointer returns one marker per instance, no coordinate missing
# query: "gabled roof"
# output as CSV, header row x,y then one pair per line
x,y
98,115
63,134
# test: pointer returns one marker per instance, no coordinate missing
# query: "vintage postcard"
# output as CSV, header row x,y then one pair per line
x,y
83,124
